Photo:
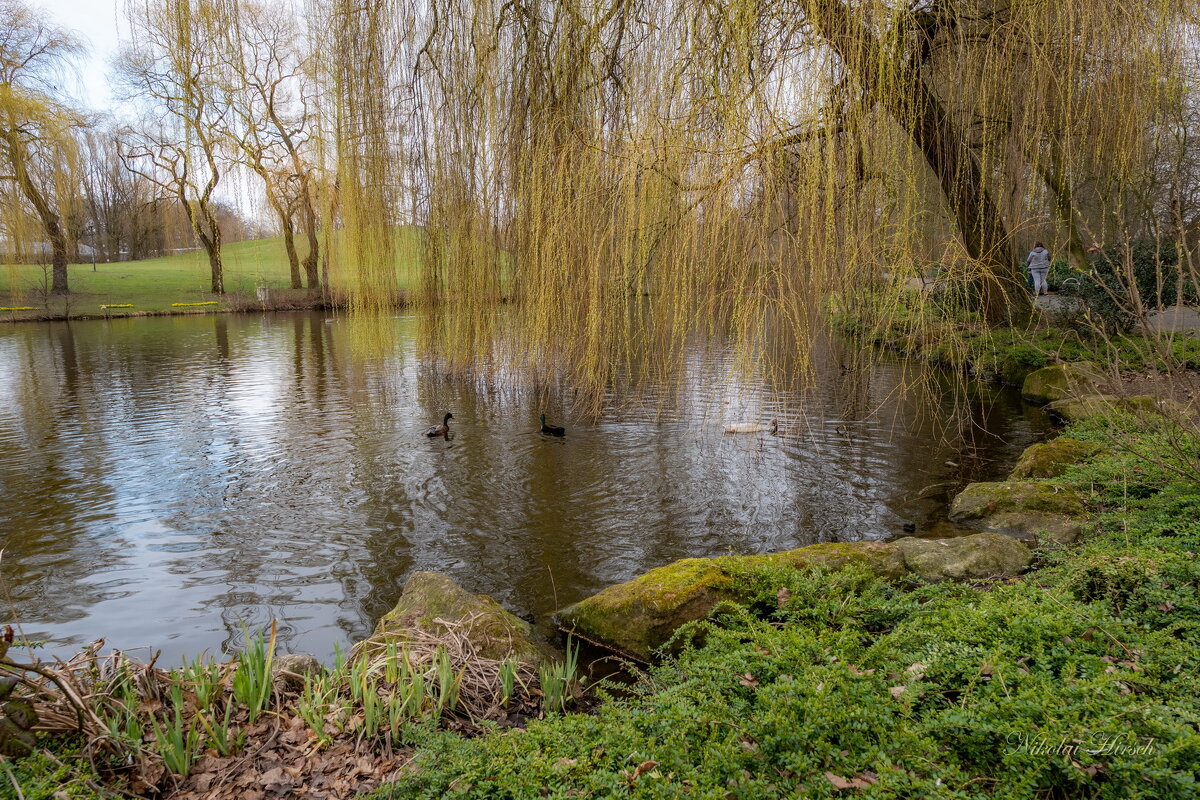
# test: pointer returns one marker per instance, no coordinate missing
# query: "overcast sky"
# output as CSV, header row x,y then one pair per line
x,y
99,23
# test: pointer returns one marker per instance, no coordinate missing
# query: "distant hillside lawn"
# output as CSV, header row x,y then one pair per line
x,y
152,285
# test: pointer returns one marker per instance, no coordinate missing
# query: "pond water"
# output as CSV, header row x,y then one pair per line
x,y
166,481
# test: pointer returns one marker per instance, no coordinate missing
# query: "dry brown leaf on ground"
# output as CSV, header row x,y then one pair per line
x,y
860,781
638,771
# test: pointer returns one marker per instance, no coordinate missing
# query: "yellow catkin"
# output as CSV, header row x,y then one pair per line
x,y
626,175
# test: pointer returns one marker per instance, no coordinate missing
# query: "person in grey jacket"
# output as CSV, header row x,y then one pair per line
x,y
1038,263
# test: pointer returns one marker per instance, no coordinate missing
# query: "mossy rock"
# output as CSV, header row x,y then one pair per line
x,y
981,500
1104,405
1024,509
17,739
1035,527
1051,459
981,555
1060,381
293,669
1077,409
638,616
879,557
430,599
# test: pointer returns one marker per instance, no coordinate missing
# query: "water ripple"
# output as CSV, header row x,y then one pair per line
x,y
166,482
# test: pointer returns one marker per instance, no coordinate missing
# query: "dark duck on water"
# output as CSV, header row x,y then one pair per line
x,y
443,429
552,430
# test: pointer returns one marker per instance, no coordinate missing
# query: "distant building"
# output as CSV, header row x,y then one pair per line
x,y
39,252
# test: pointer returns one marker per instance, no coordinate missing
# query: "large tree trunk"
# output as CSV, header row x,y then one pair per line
x,y
1056,179
314,247
215,267
51,222
289,244
205,226
217,271
212,243
919,112
58,246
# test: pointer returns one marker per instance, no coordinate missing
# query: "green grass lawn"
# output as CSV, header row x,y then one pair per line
x,y
154,284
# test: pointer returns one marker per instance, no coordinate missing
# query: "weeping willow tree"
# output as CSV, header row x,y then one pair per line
x,y
733,161
38,153
369,155
626,174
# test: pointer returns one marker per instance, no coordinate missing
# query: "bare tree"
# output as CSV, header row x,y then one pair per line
x,y
130,216
172,64
271,122
109,194
156,155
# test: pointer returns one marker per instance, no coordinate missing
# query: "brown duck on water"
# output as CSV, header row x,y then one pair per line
x,y
443,429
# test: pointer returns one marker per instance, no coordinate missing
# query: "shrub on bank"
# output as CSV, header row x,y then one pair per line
x,y
940,691
1145,269
906,325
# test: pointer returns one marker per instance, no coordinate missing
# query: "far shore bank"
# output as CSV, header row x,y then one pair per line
x,y
177,284
280,300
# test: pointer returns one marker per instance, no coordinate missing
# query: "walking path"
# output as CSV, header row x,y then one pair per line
x,y
1175,318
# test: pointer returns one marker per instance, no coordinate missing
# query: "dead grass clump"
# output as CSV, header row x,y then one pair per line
x,y
241,728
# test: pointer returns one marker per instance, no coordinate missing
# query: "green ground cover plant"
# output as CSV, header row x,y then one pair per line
x,y
55,771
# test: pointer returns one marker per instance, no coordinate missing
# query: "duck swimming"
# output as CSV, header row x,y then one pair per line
x,y
552,430
443,429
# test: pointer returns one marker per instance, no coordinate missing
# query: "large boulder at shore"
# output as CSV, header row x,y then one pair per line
x,y
878,557
1051,459
1091,406
638,616
1024,509
982,555
433,602
1077,409
1060,381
